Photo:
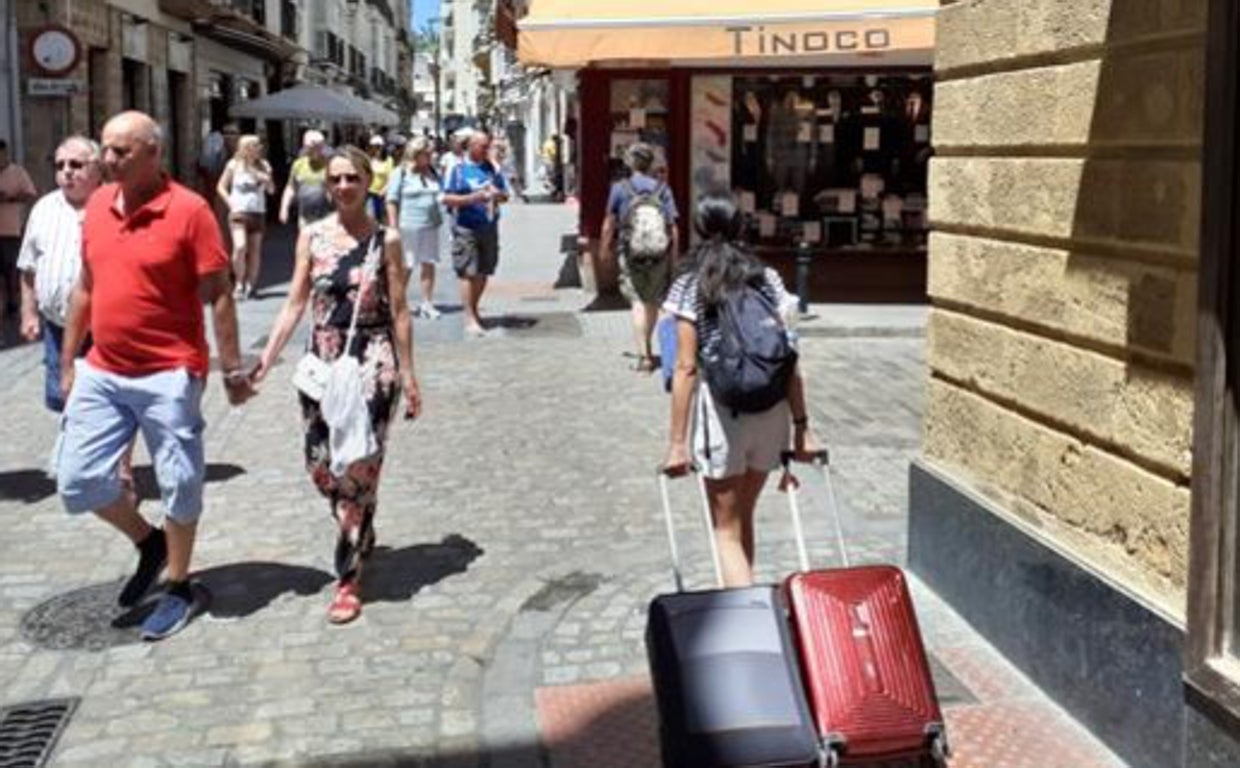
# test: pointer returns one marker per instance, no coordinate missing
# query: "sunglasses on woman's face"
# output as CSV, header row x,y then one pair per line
x,y
347,178
73,165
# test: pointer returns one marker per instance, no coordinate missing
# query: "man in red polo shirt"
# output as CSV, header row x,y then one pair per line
x,y
151,255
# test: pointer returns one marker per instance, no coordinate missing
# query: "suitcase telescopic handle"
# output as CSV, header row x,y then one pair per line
x,y
664,474
820,458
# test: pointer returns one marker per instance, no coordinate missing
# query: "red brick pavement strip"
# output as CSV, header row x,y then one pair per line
x,y
612,725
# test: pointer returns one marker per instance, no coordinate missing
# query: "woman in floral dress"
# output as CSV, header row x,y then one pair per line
x,y
329,274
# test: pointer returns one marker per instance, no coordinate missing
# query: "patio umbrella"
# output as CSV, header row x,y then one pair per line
x,y
306,102
381,115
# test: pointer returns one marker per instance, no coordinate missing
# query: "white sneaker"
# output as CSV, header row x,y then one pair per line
x,y
428,311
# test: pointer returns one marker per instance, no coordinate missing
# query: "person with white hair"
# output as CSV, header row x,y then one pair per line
x,y
51,255
456,151
307,182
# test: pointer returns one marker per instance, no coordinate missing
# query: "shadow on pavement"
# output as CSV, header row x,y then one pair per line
x,y
89,619
31,486
243,589
619,734
396,575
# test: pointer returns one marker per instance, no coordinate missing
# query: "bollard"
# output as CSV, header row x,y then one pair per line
x,y
803,261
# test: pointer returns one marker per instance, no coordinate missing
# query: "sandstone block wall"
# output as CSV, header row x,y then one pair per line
x,y
1065,198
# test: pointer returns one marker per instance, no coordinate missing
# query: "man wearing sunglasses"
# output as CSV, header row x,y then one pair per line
x,y
16,191
51,254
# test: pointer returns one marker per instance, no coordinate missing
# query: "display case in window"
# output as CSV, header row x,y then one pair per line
x,y
639,111
834,160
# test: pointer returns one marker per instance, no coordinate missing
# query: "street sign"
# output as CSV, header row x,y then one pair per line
x,y
53,86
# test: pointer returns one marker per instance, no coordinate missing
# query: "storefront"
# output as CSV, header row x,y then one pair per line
x,y
817,121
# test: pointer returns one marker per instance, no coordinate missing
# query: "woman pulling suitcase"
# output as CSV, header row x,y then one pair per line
x,y
736,378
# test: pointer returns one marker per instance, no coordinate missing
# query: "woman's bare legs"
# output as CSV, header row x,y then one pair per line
x,y
253,260
732,503
239,242
427,281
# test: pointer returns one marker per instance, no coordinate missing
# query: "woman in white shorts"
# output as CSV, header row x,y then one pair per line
x,y
735,452
414,206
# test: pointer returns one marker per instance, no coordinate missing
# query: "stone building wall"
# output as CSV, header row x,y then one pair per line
x,y
1065,199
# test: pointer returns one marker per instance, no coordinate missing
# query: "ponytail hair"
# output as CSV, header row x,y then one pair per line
x,y
721,263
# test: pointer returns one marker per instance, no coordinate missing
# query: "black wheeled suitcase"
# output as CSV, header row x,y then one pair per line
x,y
726,676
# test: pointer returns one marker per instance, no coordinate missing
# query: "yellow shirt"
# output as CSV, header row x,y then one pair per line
x,y
380,170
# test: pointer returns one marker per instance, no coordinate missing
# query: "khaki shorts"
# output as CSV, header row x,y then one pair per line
x,y
645,280
728,445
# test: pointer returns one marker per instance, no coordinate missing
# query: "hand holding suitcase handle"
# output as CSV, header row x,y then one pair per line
x,y
819,456
673,471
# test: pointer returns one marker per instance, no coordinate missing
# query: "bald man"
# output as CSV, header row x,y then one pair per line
x,y
474,191
151,253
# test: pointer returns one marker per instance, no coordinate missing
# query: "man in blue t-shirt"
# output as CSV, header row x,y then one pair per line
x,y
475,189
644,277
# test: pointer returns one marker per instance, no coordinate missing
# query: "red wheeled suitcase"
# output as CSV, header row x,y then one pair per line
x,y
863,660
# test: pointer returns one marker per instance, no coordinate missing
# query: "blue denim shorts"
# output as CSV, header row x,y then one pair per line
x,y
105,412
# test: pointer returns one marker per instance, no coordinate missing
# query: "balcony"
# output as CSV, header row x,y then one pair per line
x,y
239,24
382,82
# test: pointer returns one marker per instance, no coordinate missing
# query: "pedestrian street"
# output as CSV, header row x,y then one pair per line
x,y
519,541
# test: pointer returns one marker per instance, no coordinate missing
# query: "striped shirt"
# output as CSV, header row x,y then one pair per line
x,y
52,250
685,302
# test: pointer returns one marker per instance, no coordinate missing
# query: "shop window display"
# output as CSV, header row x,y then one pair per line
x,y
639,112
837,161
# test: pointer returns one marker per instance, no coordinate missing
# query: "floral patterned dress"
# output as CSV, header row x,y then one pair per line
x,y
336,276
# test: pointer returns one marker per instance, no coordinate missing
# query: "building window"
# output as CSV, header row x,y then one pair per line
x,y
834,160
288,19
639,112
1214,556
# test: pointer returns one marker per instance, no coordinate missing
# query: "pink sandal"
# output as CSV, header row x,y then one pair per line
x,y
346,605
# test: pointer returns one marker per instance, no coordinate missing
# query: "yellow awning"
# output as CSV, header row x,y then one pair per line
x,y
577,33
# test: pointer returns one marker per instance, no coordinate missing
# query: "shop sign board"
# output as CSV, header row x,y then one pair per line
x,y
757,40
576,43
53,86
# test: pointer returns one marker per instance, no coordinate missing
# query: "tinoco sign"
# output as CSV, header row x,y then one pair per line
x,y
750,41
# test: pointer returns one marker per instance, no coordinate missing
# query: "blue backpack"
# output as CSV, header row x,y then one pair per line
x,y
755,360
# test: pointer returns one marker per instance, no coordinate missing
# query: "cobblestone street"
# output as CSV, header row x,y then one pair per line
x,y
519,543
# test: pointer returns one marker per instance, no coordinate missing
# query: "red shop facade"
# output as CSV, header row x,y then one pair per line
x,y
826,161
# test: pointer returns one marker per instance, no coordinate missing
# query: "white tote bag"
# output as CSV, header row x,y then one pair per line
x,y
344,409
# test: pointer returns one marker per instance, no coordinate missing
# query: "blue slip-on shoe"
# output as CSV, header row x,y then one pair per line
x,y
171,615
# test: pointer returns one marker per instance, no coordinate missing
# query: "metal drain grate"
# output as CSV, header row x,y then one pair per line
x,y
28,732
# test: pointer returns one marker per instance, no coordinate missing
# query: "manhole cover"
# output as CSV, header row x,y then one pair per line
x,y
85,618
28,732
89,619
